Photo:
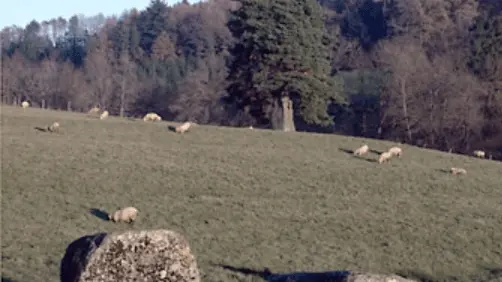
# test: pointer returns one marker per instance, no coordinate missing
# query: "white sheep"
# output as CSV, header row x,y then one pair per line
x,y
457,170
385,156
479,154
25,104
104,115
362,150
128,214
396,151
184,127
152,117
54,127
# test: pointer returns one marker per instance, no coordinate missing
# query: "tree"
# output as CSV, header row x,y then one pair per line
x,y
281,56
98,71
432,102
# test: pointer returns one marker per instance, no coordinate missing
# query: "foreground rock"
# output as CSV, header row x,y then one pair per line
x,y
157,255
332,276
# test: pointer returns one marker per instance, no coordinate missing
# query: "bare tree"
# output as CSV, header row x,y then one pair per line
x,y
126,80
198,97
98,72
432,102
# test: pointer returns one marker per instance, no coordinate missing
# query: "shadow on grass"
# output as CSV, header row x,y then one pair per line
x,y
171,128
376,152
442,170
350,152
489,274
418,276
41,129
101,214
267,275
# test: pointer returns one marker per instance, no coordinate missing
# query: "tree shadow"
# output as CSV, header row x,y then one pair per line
x,y
267,275
40,129
246,271
101,214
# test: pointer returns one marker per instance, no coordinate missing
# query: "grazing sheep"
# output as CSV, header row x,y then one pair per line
x,y
25,104
93,110
457,170
479,154
396,151
104,115
362,150
54,127
184,127
152,117
128,214
385,156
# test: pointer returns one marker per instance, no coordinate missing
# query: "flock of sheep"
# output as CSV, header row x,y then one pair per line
x,y
397,151
129,214
385,156
54,127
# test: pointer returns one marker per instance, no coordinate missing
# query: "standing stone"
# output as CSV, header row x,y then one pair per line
x,y
156,255
288,123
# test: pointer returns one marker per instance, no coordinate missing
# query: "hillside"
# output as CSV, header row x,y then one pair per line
x,y
245,198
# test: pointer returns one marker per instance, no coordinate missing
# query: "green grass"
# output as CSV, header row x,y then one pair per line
x,y
245,198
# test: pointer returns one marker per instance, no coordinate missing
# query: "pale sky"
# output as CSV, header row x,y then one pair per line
x,y
22,12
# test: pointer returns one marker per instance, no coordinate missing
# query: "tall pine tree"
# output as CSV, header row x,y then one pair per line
x,y
281,55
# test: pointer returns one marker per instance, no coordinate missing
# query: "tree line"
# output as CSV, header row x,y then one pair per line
x,y
422,72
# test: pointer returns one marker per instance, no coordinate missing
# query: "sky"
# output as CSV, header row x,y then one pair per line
x,y
22,12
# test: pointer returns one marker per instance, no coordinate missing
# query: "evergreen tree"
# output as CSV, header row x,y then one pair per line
x,y
281,52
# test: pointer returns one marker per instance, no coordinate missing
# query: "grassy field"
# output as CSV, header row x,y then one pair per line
x,y
245,199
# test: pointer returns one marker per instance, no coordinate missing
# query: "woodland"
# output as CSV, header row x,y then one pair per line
x,y
421,72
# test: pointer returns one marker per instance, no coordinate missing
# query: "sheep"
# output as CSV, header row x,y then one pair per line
x,y
385,156
479,154
396,151
54,127
152,117
128,214
104,115
25,104
457,170
93,110
184,127
362,150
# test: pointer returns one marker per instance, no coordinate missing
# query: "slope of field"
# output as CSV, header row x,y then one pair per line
x,y
245,199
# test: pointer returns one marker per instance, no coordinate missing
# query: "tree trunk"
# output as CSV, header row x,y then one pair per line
x,y
405,109
122,99
288,123
275,115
